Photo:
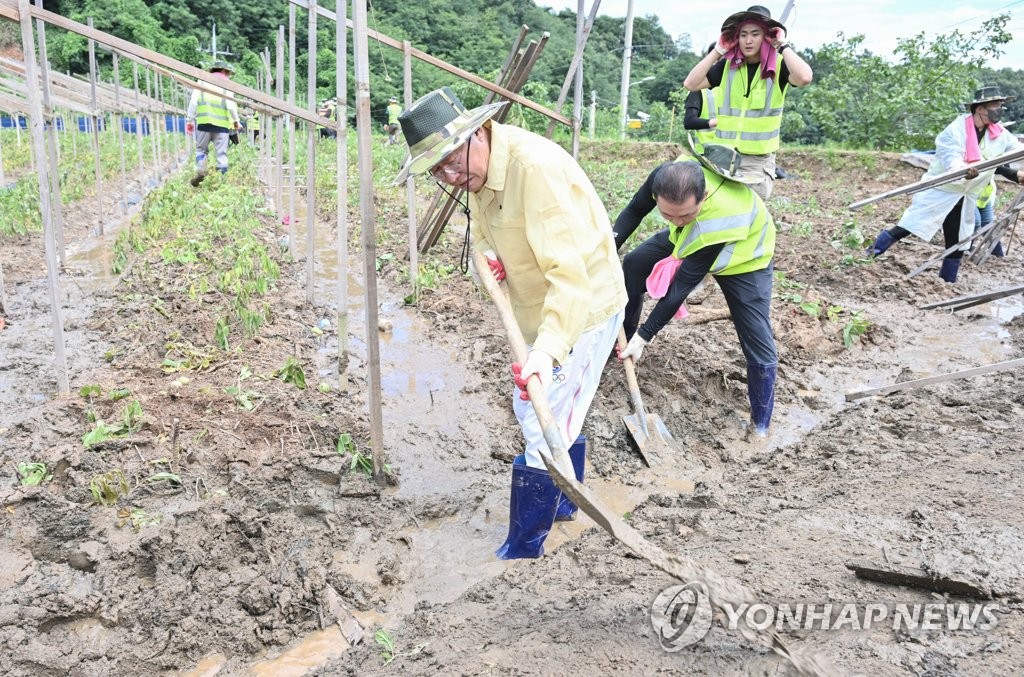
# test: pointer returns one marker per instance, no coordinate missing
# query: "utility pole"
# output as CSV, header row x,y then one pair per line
x,y
213,46
627,56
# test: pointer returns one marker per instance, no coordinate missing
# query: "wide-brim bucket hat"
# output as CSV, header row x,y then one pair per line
x,y
753,13
989,93
222,66
435,125
722,160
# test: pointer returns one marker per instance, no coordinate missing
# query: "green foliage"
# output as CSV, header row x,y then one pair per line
x,y
246,399
33,474
137,518
292,373
862,100
854,328
107,488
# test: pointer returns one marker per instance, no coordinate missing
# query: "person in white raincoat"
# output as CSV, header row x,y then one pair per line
x,y
970,138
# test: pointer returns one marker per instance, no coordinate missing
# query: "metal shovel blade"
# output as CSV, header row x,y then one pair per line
x,y
655,442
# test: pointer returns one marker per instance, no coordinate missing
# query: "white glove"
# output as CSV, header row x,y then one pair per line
x,y
540,363
634,349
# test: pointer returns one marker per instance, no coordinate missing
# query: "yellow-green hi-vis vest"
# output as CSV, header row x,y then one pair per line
x,y
254,122
394,110
213,110
733,214
750,124
987,193
708,112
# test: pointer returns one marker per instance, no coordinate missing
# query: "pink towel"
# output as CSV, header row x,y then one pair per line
x,y
661,277
973,152
768,54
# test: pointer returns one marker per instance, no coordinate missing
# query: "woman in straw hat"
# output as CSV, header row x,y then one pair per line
x,y
971,137
751,94
530,204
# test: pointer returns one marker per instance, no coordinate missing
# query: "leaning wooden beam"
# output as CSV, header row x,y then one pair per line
x,y
949,250
961,302
43,177
914,577
155,57
931,380
443,65
940,179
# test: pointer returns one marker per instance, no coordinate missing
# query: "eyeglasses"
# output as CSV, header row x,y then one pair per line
x,y
450,169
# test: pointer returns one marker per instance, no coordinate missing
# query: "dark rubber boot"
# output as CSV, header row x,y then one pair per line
x,y
761,391
949,270
531,511
882,243
578,453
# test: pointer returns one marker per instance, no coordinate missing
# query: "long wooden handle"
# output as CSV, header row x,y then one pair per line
x,y
536,390
634,387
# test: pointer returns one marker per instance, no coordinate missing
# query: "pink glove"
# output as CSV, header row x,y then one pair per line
x,y
517,370
497,269
189,128
726,41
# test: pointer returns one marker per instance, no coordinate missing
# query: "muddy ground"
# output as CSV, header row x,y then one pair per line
x,y
244,564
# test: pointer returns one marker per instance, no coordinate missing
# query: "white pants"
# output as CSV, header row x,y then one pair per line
x,y
574,384
220,147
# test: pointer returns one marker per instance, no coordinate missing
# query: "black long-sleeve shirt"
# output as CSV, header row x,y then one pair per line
x,y
690,272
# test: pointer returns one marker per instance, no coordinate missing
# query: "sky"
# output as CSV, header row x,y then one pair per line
x,y
813,23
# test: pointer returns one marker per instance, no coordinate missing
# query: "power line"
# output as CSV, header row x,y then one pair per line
x,y
982,16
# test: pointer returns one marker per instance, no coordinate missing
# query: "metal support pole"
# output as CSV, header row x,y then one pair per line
x,y
120,133
52,143
95,131
311,159
279,125
138,130
292,241
410,183
341,169
627,56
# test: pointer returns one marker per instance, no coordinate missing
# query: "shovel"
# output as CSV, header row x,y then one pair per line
x,y
721,591
648,431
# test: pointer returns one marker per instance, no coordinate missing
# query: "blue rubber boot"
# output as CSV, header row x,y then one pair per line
x,y
882,242
997,251
578,453
949,269
761,391
531,511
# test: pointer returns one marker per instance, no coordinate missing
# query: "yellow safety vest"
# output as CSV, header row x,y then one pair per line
x,y
213,110
988,193
707,111
734,215
254,122
750,124
394,110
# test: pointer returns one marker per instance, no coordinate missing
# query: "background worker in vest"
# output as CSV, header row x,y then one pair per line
x,y
254,126
394,110
212,117
530,203
719,226
970,138
751,89
701,112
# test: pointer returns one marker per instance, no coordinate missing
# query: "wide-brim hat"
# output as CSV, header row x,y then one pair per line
x,y
722,160
222,66
435,125
989,93
753,13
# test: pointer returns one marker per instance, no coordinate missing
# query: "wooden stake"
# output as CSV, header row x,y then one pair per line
x,y
931,380
577,92
138,130
582,34
120,134
311,133
368,238
293,242
43,178
410,182
916,578
279,125
52,144
95,132
971,300
341,172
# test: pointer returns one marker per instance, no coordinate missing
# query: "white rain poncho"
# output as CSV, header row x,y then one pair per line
x,y
928,208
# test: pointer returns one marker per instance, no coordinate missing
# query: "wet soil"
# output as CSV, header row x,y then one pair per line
x,y
267,539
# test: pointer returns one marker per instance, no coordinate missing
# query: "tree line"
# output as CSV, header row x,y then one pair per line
x,y
858,99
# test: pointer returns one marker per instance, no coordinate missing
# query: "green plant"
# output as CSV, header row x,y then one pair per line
x,y
169,477
802,229
345,445
101,432
812,308
33,474
854,328
107,488
387,645
292,373
361,462
137,518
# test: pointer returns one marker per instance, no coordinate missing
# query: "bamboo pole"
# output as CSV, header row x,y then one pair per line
x,y
43,178
341,171
311,159
410,182
156,126
267,129
292,238
582,35
279,124
120,134
138,130
577,93
52,143
95,131
368,239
